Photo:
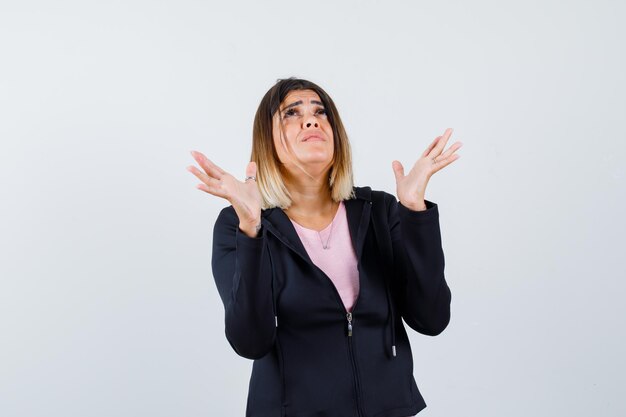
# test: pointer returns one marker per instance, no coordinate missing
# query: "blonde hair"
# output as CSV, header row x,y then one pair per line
x,y
269,177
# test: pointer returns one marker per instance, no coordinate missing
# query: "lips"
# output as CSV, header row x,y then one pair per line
x,y
313,137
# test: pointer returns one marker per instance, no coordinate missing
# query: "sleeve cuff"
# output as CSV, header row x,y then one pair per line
x,y
246,241
430,214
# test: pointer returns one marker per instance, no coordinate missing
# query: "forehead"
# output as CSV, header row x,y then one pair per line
x,y
301,95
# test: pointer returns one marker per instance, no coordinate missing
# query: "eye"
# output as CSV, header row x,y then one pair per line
x,y
321,111
290,112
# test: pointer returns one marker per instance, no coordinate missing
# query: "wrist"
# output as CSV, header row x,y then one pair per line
x,y
419,205
251,229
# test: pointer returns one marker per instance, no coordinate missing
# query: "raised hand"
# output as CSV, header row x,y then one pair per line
x,y
243,195
411,188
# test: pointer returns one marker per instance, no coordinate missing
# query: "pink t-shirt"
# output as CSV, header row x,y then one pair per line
x,y
339,260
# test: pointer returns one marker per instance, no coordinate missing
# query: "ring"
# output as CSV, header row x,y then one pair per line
x,y
250,178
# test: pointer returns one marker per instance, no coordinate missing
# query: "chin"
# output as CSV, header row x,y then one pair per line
x,y
317,162
315,166
321,156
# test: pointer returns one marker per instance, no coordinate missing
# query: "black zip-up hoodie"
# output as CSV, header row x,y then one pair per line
x,y
311,357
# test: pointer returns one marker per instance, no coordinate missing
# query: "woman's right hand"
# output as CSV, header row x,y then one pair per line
x,y
244,196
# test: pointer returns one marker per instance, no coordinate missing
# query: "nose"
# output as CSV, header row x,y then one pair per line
x,y
310,121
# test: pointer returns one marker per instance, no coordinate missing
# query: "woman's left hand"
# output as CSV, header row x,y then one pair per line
x,y
411,188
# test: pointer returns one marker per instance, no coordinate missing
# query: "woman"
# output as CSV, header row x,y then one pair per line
x,y
316,274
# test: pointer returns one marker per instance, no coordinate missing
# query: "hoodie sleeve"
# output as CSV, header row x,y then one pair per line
x,y
421,290
243,275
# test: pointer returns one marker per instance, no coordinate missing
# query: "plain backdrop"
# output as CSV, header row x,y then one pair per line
x,y
107,300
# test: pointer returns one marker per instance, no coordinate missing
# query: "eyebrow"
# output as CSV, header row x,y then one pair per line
x,y
297,103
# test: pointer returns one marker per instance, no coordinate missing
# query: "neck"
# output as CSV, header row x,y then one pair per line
x,y
310,196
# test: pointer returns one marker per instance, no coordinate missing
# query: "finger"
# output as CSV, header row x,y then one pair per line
x,y
198,156
203,177
452,149
436,151
445,162
211,190
251,169
398,170
206,164
430,147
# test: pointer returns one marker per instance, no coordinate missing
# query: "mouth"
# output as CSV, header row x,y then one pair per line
x,y
312,138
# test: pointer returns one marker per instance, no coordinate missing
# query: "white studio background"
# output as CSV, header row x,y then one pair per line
x,y
107,302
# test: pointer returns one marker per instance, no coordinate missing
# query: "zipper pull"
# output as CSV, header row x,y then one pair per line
x,y
349,316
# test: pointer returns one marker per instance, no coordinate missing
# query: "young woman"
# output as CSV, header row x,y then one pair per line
x,y
316,275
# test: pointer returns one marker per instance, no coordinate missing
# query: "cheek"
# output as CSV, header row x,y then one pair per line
x,y
285,138
279,149
277,141
279,145
329,132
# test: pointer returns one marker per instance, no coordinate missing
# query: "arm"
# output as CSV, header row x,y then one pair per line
x,y
421,291
420,284
243,275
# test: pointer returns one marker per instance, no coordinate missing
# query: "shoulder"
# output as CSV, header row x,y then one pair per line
x,y
227,222
227,216
375,196
226,225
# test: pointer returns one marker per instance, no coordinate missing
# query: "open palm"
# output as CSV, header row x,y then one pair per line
x,y
411,188
243,195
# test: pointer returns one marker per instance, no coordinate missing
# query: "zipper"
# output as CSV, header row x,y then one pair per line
x,y
357,383
349,317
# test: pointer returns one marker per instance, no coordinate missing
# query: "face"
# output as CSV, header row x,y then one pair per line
x,y
307,137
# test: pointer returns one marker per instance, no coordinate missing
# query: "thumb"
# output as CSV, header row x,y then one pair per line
x,y
398,170
251,169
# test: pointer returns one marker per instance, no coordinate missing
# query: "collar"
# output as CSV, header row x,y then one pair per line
x,y
358,210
